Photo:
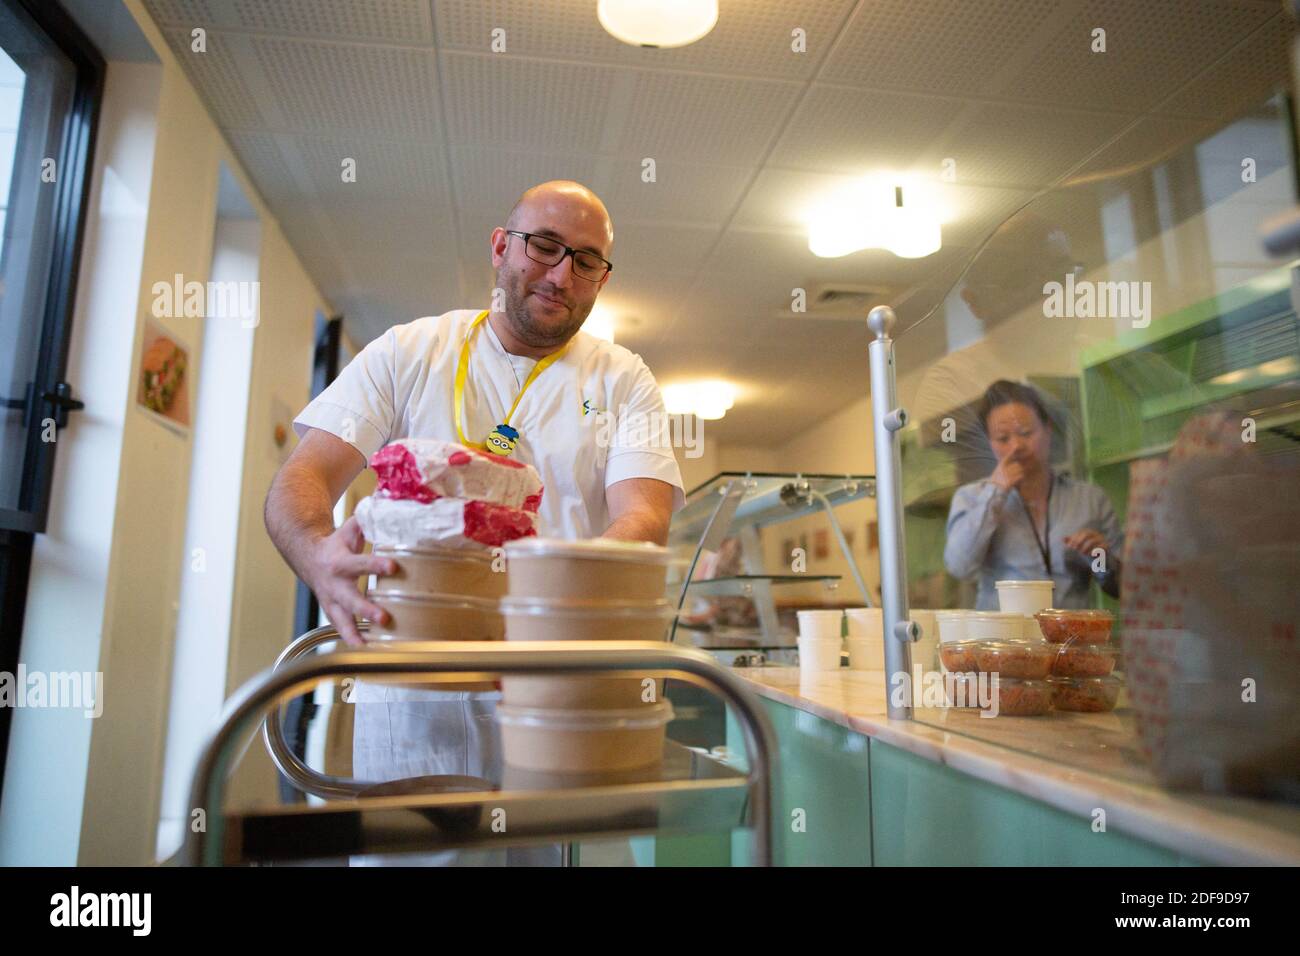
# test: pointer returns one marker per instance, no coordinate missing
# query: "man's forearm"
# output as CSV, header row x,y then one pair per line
x,y
639,526
298,514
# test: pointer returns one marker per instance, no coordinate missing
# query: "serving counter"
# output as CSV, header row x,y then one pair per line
x,y
1063,789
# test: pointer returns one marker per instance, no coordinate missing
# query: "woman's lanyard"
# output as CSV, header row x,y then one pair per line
x,y
1045,543
502,439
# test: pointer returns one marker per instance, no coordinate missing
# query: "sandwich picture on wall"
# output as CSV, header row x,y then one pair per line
x,y
163,387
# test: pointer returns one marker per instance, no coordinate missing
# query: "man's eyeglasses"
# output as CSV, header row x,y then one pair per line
x,y
550,252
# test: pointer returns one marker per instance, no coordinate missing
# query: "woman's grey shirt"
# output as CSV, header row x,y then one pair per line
x,y
990,537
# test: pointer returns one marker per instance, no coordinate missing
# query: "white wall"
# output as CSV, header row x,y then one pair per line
x,y
106,579
69,589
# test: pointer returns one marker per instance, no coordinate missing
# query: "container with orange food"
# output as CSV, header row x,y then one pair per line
x,y
1082,627
1024,660
1083,660
1090,695
1020,698
958,656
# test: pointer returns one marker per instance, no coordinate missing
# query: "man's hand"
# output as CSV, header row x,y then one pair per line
x,y
332,570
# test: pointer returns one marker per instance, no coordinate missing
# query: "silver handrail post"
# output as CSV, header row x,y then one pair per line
x,y
887,419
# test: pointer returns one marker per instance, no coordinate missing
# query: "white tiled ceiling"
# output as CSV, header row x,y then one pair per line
x,y
744,132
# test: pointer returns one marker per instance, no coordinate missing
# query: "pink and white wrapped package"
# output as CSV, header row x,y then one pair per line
x,y
442,523
425,470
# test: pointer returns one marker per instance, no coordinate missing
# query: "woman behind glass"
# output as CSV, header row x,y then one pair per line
x,y
1025,521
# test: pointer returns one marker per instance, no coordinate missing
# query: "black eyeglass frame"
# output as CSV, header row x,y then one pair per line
x,y
568,251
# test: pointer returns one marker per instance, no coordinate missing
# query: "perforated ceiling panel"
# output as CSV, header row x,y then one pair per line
x,y
365,90
391,21
938,46
744,131
1151,48
752,37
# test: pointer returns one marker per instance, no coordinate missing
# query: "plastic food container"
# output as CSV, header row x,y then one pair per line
x,y
958,656
594,569
428,571
583,741
865,622
436,617
1024,597
542,619
1083,660
866,653
1019,659
995,626
1020,698
952,625
825,625
1082,627
1090,695
821,654
961,690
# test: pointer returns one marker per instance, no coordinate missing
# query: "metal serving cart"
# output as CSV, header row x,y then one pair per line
x,y
688,793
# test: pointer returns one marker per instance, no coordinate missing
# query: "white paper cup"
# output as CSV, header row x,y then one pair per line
x,y
865,622
924,651
820,625
952,625
995,626
819,654
866,653
1024,597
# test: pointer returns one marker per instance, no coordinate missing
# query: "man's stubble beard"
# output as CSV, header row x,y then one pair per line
x,y
522,323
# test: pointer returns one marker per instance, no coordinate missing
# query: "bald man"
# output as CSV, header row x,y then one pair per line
x,y
551,258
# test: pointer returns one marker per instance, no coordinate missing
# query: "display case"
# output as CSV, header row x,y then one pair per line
x,y
734,506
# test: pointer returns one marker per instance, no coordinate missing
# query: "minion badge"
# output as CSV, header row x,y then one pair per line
x,y
502,440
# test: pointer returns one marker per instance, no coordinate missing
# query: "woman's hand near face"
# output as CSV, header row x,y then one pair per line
x,y
1085,541
1008,474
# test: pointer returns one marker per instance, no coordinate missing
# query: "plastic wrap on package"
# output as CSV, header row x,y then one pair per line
x,y
424,470
443,523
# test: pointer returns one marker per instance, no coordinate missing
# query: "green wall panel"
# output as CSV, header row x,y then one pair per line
x,y
926,814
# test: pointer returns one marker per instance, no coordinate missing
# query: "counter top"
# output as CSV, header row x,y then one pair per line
x,y
1074,762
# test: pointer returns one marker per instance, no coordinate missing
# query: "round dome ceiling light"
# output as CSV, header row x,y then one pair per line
x,y
657,23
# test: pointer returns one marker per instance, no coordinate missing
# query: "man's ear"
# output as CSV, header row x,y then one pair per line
x,y
497,245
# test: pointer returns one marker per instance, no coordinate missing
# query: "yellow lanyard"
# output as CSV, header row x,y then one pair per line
x,y
501,440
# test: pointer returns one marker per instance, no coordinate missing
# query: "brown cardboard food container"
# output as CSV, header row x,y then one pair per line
x,y
428,571
436,617
589,570
534,619
583,741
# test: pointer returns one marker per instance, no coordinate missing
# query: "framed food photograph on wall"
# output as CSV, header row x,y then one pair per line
x,y
162,383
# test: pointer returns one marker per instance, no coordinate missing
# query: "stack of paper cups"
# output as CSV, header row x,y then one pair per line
x,y
866,638
820,639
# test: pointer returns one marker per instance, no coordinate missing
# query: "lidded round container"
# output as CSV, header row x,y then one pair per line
x,y
1018,659
820,624
1089,695
995,626
429,571
1083,627
1024,597
540,619
958,656
583,741
962,689
1073,659
952,625
436,617
587,570
1020,698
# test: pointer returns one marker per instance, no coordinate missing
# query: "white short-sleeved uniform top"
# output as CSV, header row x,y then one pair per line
x,y
401,386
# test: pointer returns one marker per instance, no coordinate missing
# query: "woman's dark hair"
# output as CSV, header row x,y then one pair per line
x,y
1004,392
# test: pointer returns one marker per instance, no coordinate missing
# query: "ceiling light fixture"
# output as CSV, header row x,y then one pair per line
x,y
657,23
878,212
708,400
